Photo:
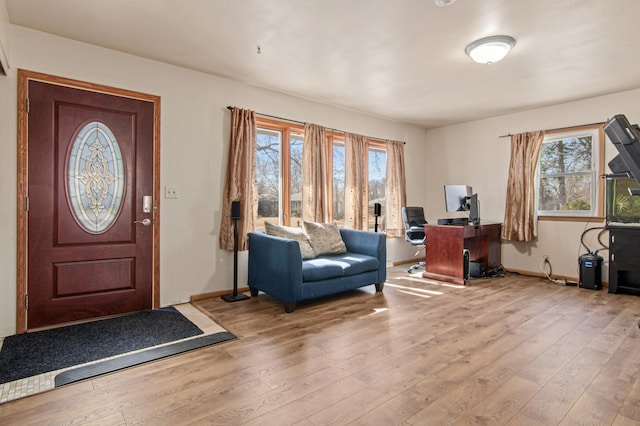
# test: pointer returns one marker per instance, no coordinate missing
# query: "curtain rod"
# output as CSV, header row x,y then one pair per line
x,y
230,108
559,128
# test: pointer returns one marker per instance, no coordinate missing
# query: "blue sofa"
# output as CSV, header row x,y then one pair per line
x,y
276,267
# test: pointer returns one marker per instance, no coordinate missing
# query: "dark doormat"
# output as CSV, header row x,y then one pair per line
x,y
30,354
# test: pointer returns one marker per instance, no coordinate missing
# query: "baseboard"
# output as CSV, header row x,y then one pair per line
x,y
407,261
541,275
554,276
516,271
213,294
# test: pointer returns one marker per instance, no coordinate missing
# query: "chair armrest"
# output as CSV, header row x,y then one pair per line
x,y
275,266
415,235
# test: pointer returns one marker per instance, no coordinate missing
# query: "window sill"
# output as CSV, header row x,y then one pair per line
x,y
571,218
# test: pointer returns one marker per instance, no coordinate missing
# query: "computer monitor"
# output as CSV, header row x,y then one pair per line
x,y
456,197
474,210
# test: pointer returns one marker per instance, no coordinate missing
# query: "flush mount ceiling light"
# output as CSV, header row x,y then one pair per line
x,y
444,3
490,49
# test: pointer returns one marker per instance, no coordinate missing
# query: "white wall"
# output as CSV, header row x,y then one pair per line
x,y
7,195
194,137
4,35
473,154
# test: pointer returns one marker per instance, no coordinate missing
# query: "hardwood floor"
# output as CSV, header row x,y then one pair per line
x,y
513,350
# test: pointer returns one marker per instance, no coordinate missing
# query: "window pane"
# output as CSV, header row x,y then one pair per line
x,y
268,176
295,179
338,182
95,178
567,173
377,182
565,193
566,156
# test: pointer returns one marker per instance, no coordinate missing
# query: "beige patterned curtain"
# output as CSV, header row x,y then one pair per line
x,y
315,174
355,189
519,213
396,189
240,184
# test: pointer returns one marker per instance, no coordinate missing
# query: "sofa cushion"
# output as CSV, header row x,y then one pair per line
x,y
358,263
337,265
321,268
297,234
325,238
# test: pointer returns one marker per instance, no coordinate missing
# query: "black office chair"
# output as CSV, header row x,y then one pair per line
x,y
414,222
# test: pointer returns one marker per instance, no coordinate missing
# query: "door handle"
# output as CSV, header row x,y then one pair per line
x,y
144,222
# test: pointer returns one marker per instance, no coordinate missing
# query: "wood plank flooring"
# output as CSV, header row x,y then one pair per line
x,y
512,350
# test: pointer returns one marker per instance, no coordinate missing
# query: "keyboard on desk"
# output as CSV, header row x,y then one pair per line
x,y
455,221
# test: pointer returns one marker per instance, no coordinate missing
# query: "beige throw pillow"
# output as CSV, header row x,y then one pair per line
x,y
292,233
324,237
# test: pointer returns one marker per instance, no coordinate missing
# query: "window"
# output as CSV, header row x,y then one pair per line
x,y
279,173
337,165
268,175
377,181
567,176
295,179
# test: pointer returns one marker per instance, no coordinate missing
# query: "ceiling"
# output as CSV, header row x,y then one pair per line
x,y
399,59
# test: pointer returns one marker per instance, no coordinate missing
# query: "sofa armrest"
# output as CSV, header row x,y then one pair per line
x,y
369,243
275,266
364,242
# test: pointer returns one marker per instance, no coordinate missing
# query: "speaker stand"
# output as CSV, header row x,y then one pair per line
x,y
235,297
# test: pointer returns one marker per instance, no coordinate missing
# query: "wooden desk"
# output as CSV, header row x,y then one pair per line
x,y
445,245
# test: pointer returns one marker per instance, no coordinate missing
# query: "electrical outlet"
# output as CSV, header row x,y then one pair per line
x,y
546,257
170,192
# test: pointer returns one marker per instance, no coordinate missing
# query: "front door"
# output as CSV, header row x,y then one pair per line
x,y
91,204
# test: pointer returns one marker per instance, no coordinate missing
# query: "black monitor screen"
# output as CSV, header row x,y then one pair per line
x,y
474,210
456,197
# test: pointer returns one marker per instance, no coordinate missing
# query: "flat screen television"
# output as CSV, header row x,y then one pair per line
x,y
626,138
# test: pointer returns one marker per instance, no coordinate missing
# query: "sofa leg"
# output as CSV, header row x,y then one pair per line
x,y
254,292
379,287
289,307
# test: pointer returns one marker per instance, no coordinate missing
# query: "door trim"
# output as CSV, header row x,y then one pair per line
x,y
24,76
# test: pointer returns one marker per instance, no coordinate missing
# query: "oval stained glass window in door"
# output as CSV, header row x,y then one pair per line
x,y
95,178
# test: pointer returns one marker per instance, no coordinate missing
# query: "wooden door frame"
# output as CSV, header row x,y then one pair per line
x,y
24,76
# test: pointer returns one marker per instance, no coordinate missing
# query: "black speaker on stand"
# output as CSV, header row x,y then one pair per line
x,y
235,297
377,211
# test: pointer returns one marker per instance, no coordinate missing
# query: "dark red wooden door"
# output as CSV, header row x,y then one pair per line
x,y
90,165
